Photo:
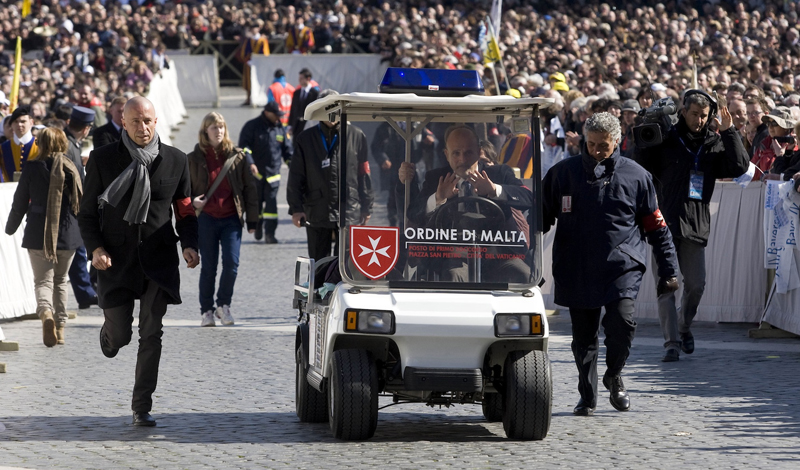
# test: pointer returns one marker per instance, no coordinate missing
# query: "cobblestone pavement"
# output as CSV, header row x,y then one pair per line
x,y
226,395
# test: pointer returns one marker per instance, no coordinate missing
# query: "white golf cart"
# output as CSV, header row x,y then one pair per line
x,y
387,317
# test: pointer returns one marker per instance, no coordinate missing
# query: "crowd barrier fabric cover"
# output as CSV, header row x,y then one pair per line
x,y
166,98
17,297
198,77
736,282
345,73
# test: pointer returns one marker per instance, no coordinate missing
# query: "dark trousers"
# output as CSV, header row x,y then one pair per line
x,y
268,205
619,329
214,233
319,242
80,279
118,332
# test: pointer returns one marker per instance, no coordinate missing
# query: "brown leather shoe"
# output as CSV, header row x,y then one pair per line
x,y
60,334
48,329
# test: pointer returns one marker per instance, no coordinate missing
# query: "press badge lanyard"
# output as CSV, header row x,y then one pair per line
x,y
695,176
327,162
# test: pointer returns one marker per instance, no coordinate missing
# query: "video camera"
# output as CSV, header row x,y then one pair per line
x,y
655,123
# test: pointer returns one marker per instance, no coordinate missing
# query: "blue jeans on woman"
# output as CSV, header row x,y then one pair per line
x,y
214,233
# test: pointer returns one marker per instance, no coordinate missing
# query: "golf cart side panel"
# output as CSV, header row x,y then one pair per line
x,y
440,329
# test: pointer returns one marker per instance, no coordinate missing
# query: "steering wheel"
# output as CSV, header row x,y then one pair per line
x,y
492,218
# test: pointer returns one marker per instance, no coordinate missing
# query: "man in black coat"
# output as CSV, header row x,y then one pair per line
x,y
126,223
466,175
112,131
305,93
80,123
605,205
685,168
313,188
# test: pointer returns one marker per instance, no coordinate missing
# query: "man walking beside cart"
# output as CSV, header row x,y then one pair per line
x,y
603,203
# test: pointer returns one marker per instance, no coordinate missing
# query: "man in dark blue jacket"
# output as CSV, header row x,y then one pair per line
x,y
269,145
603,203
684,168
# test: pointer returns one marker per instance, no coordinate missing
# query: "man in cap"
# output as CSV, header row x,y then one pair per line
x,y
78,127
131,193
21,146
266,143
780,125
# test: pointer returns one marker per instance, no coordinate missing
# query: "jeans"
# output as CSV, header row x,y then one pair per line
x,y
692,263
50,283
619,327
214,233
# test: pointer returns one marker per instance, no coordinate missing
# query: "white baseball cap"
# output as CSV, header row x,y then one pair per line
x,y
4,100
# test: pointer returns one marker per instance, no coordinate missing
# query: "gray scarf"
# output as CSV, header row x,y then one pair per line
x,y
135,174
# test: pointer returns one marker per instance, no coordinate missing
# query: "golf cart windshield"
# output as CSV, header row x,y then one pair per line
x,y
462,218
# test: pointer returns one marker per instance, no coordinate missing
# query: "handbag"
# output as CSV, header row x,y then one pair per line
x,y
217,181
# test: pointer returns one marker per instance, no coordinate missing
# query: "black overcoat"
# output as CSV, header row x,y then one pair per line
x,y
138,251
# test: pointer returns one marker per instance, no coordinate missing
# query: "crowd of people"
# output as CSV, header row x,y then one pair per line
x,y
600,48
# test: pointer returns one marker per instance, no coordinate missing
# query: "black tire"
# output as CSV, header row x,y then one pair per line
x,y
528,395
311,405
353,395
493,407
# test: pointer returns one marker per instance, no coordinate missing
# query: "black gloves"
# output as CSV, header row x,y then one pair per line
x,y
667,285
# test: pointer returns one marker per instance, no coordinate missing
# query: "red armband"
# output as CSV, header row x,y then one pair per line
x,y
363,169
183,208
654,221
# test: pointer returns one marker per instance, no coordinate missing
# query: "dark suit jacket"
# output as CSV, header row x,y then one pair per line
x,y
514,193
156,258
299,107
105,135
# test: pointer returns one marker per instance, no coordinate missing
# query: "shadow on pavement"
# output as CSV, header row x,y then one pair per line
x,y
234,428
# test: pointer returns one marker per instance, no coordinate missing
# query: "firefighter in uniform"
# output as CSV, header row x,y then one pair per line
x,y
267,143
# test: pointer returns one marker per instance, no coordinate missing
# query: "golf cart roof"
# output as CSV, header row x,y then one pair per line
x,y
375,106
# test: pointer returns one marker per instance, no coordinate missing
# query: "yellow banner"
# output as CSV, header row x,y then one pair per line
x,y
492,51
17,69
26,8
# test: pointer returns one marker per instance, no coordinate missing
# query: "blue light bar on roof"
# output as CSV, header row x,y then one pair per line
x,y
432,82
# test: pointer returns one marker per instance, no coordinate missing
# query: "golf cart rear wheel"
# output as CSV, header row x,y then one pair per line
x,y
528,395
311,405
353,395
493,407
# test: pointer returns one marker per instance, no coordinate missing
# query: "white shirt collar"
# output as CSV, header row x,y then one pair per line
x,y
118,128
24,139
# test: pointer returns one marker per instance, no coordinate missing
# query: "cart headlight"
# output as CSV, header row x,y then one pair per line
x,y
518,324
369,321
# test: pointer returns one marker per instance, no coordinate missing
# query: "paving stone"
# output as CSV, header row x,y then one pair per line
x,y
225,396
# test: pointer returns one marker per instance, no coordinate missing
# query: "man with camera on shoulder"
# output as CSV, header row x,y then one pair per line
x,y
685,165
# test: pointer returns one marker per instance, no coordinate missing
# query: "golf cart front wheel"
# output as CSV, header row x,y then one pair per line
x,y
353,395
528,395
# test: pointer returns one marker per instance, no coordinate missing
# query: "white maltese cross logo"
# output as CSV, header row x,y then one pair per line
x,y
374,251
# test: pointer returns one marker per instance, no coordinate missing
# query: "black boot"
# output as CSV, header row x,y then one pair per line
x,y
619,396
